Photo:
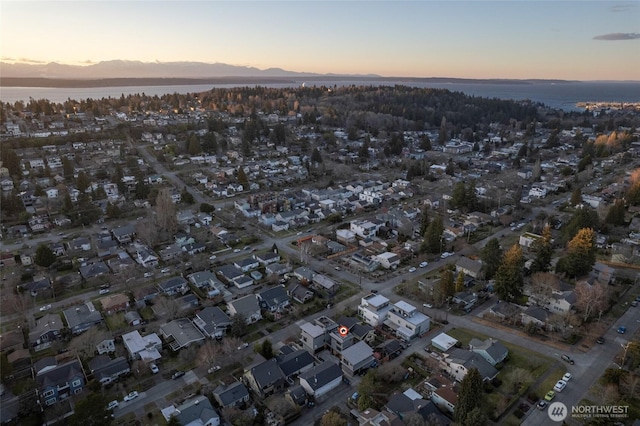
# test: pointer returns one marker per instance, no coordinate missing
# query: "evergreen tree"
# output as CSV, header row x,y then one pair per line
x,y
469,395
194,147
509,278
581,254
424,221
615,215
491,256
186,196
447,286
315,156
83,181
433,236
544,251
576,197
584,217
460,282
44,257
242,178
459,195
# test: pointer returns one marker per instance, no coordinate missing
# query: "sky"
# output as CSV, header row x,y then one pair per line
x,y
573,40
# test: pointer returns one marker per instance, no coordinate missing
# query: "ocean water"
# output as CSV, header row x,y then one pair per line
x,y
561,95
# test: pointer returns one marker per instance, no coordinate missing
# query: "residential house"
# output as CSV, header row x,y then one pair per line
x,y
536,315
46,330
11,341
133,318
57,382
80,244
37,286
325,284
407,322
146,257
387,260
234,395
247,306
124,234
94,270
173,286
293,362
246,264
470,267
265,378
170,252
374,309
321,379
274,299
356,358
493,351
373,417
267,258
465,299
212,321
563,302
443,342
197,411
204,279
603,273
194,248
505,310
80,318
300,293
406,403
146,348
458,362
180,333
106,370
114,303
107,346
229,273
313,337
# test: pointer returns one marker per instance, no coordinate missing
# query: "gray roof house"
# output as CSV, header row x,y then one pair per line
x,y
274,299
246,306
180,333
106,370
58,382
94,270
295,362
493,351
357,357
46,330
173,286
321,379
197,411
233,395
212,321
204,279
265,378
80,318
470,267
460,361
124,234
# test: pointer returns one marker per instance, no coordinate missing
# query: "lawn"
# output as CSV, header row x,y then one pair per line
x,y
116,321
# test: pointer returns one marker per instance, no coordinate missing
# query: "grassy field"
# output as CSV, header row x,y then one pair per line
x,y
116,321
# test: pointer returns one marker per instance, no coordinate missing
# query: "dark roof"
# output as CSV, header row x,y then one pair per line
x,y
360,330
172,283
293,362
195,409
274,296
103,366
322,374
43,363
60,375
347,321
473,360
432,414
232,393
267,373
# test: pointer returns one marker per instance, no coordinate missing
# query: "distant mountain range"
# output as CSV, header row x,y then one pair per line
x,y
138,69
137,73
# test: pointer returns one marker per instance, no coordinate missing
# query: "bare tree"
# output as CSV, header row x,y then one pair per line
x,y
210,354
166,212
591,299
282,406
518,377
630,385
148,230
169,307
85,344
237,417
391,373
414,419
542,286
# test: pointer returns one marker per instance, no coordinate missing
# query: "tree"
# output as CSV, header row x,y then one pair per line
x,y
476,417
85,344
460,282
581,254
169,306
186,196
237,417
242,178
83,181
165,209
543,284
44,257
576,197
433,236
469,395
458,196
366,390
331,418
491,256
91,411
615,215
238,326
207,208
509,277
265,349
210,354
543,250
194,147
424,221
584,217
591,299
316,157
113,211
445,287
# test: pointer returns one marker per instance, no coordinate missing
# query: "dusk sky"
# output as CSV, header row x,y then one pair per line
x,y
578,40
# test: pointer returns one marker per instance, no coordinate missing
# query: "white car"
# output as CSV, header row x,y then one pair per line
x,y
45,308
112,405
154,368
427,305
214,369
242,346
165,270
445,255
237,250
560,385
148,274
566,377
424,264
131,396
213,257
412,269
103,291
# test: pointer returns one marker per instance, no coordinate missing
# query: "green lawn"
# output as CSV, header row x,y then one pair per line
x,y
547,385
116,321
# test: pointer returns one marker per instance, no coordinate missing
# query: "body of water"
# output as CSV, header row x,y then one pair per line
x,y
560,95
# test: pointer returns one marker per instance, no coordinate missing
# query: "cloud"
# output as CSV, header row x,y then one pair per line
x,y
622,7
618,36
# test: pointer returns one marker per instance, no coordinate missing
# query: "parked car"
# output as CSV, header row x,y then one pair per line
x,y
214,369
237,250
103,291
427,305
131,396
45,308
412,269
550,395
560,385
242,346
622,329
424,264
566,377
568,359
165,270
148,274
634,303
177,375
112,405
600,340
542,404
154,369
